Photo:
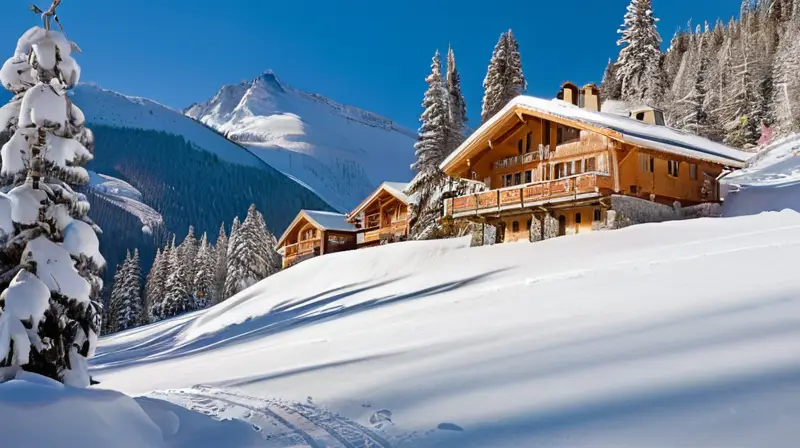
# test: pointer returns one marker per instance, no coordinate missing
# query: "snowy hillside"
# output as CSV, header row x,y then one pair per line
x,y
673,334
127,198
340,152
770,182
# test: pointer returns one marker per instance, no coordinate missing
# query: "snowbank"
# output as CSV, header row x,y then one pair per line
x,y
675,334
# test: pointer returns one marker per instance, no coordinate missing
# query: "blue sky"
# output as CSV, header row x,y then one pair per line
x,y
371,54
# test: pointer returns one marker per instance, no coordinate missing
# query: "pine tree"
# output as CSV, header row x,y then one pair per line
x,y
112,315
220,265
179,296
249,259
430,152
267,244
130,307
610,87
456,106
514,83
640,68
52,315
204,276
493,83
151,287
786,66
698,121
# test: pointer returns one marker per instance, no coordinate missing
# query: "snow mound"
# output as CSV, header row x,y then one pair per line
x,y
80,238
672,334
56,268
769,182
26,300
116,420
6,223
26,202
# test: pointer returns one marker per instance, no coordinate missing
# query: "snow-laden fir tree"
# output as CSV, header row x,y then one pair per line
x,y
220,257
610,87
50,298
230,282
179,296
504,78
161,278
456,106
697,119
268,242
786,91
640,68
130,310
204,274
112,311
430,152
151,288
248,258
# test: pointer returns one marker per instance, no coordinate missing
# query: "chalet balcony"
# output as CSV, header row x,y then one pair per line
x,y
578,187
295,253
397,228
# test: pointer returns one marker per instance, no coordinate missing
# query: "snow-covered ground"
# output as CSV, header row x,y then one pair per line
x,y
340,152
673,334
126,197
771,180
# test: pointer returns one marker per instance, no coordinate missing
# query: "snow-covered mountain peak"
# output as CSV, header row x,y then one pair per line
x,y
338,151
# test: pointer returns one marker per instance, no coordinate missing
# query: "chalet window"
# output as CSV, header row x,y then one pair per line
x,y
519,146
646,163
337,240
558,167
528,142
528,177
673,168
373,221
577,218
652,164
568,166
578,166
591,165
530,223
515,226
517,178
546,172
693,171
640,116
508,181
597,215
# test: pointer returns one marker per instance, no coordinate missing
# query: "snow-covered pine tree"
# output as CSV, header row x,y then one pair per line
x,y
267,241
151,288
231,277
610,88
514,82
493,87
220,265
50,294
112,312
698,121
456,106
204,275
786,66
179,297
640,67
248,259
430,152
129,313
743,124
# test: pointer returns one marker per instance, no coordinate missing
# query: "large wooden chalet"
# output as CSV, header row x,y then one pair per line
x,y
381,218
552,167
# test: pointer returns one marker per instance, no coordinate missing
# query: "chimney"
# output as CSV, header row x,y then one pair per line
x,y
570,93
591,97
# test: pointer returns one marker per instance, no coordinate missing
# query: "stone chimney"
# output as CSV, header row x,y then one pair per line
x,y
591,97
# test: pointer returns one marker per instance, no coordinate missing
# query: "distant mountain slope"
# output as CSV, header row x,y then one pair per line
x,y
340,152
172,168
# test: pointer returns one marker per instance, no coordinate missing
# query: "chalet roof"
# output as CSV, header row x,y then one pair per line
x,y
321,220
396,189
624,129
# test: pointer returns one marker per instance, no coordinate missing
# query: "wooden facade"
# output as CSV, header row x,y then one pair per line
x,y
314,233
553,174
383,216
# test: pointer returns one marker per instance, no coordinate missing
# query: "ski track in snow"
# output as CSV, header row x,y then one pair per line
x,y
308,424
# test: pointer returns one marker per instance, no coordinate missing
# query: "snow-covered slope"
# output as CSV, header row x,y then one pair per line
x,y
127,198
340,152
770,182
673,334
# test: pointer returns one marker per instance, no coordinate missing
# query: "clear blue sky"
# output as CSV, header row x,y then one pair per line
x,y
372,54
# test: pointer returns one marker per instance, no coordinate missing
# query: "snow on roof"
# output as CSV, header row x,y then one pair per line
x,y
396,189
660,138
329,220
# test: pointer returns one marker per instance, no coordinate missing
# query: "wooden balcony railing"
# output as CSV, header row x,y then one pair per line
x,y
528,194
395,228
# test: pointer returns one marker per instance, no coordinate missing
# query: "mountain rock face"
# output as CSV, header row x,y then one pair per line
x,y
159,171
340,152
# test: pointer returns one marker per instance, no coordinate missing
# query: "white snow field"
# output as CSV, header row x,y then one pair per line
x,y
673,334
340,152
771,180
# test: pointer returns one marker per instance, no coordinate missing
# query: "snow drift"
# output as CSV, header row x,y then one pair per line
x,y
673,334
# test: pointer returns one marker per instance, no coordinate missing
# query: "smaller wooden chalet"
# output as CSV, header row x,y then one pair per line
x,y
314,233
383,216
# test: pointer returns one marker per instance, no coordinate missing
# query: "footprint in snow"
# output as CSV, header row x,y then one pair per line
x,y
449,427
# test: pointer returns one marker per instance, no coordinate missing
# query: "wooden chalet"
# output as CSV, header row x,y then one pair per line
x,y
553,167
314,233
383,216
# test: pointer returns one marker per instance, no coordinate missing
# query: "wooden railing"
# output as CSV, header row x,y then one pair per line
x,y
529,194
395,228
301,248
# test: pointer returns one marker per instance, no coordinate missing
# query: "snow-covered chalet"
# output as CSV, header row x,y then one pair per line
x,y
380,218
561,166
